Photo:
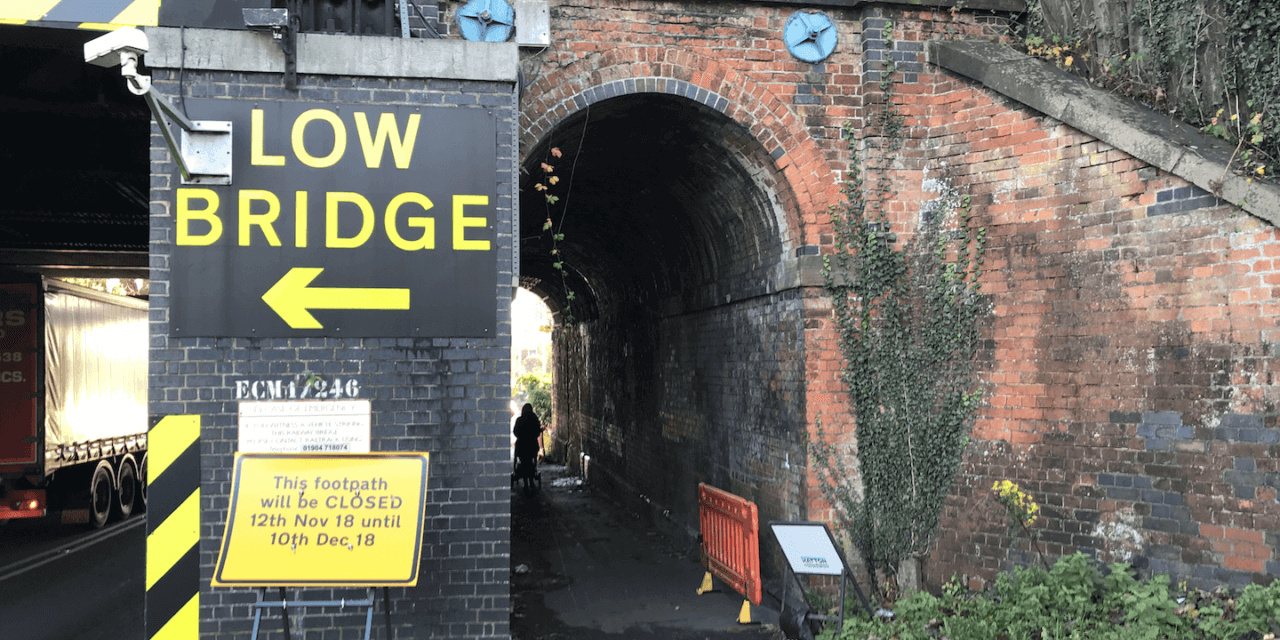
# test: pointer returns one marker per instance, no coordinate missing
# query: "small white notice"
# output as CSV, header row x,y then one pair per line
x,y
809,547
305,426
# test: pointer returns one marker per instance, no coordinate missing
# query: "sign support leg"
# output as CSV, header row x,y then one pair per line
x,y
785,585
284,614
283,604
386,608
856,589
257,612
840,623
368,617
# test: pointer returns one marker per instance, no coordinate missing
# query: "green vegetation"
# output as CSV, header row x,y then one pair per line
x,y
1022,510
554,231
1078,598
536,390
1213,63
908,327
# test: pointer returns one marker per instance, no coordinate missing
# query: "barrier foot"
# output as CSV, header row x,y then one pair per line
x,y
706,587
744,616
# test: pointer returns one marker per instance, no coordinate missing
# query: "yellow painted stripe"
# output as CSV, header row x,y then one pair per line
x,y
99,26
163,448
184,625
139,13
173,538
24,10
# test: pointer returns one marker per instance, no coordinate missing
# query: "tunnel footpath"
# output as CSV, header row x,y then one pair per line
x,y
584,568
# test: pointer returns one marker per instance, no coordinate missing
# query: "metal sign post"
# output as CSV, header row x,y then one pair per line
x,y
810,549
283,604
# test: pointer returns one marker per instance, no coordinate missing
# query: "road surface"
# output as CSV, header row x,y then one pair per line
x,y
61,582
585,569
582,570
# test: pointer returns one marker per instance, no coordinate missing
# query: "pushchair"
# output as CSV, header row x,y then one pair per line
x,y
527,468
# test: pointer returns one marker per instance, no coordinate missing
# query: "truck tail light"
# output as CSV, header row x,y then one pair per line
x,y
23,503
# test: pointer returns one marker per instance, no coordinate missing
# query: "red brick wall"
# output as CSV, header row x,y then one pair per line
x,y
1129,353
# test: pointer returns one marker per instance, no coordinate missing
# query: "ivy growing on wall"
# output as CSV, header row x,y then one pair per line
x,y
1214,64
908,325
547,188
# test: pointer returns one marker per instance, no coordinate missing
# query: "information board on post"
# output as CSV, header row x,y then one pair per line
x,y
808,547
304,426
309,520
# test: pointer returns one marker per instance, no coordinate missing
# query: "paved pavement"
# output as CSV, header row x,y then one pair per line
x,y
583,568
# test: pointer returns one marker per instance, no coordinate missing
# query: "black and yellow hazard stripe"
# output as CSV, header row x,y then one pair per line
x,y
173,529
82,14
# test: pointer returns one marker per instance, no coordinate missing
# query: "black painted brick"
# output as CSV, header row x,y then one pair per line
x,y
405,380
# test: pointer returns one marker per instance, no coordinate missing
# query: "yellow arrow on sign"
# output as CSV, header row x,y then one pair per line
x,y
291,298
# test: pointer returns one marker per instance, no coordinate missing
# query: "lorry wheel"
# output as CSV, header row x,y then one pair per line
x,y
128,490
101,495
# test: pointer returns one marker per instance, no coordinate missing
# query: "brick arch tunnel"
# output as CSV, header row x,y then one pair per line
x,y
685,362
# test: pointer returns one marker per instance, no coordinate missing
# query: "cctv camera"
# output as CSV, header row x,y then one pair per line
x,y
121,47
116,48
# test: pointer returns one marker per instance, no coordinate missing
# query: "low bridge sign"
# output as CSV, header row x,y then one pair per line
x,y
346,220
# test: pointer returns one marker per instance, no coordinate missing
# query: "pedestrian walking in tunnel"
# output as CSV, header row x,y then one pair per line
x,y
528,432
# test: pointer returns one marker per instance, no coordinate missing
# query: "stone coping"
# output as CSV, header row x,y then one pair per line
x,y
337,55
1155,138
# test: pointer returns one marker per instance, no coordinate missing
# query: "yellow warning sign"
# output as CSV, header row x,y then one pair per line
x,y
100,15
324,520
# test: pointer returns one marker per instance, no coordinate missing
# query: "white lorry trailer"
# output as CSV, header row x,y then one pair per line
x,y
73,402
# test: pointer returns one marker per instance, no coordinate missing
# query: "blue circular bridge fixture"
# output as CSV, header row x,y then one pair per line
x,y
486,21
810,36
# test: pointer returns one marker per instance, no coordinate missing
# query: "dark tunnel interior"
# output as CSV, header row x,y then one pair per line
x,y
660,198
684,365
74,159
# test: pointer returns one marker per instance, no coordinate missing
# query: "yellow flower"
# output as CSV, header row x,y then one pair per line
x,y
1020,505
1262,170
1235,116
1069,59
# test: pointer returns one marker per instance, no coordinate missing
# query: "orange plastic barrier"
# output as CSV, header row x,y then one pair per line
x,y
730,528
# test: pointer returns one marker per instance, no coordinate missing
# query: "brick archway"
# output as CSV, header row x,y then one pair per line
x,y
797,157
675,287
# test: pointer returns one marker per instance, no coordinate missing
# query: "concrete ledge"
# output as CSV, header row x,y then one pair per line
x,y
798,272
1145,134
338,55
